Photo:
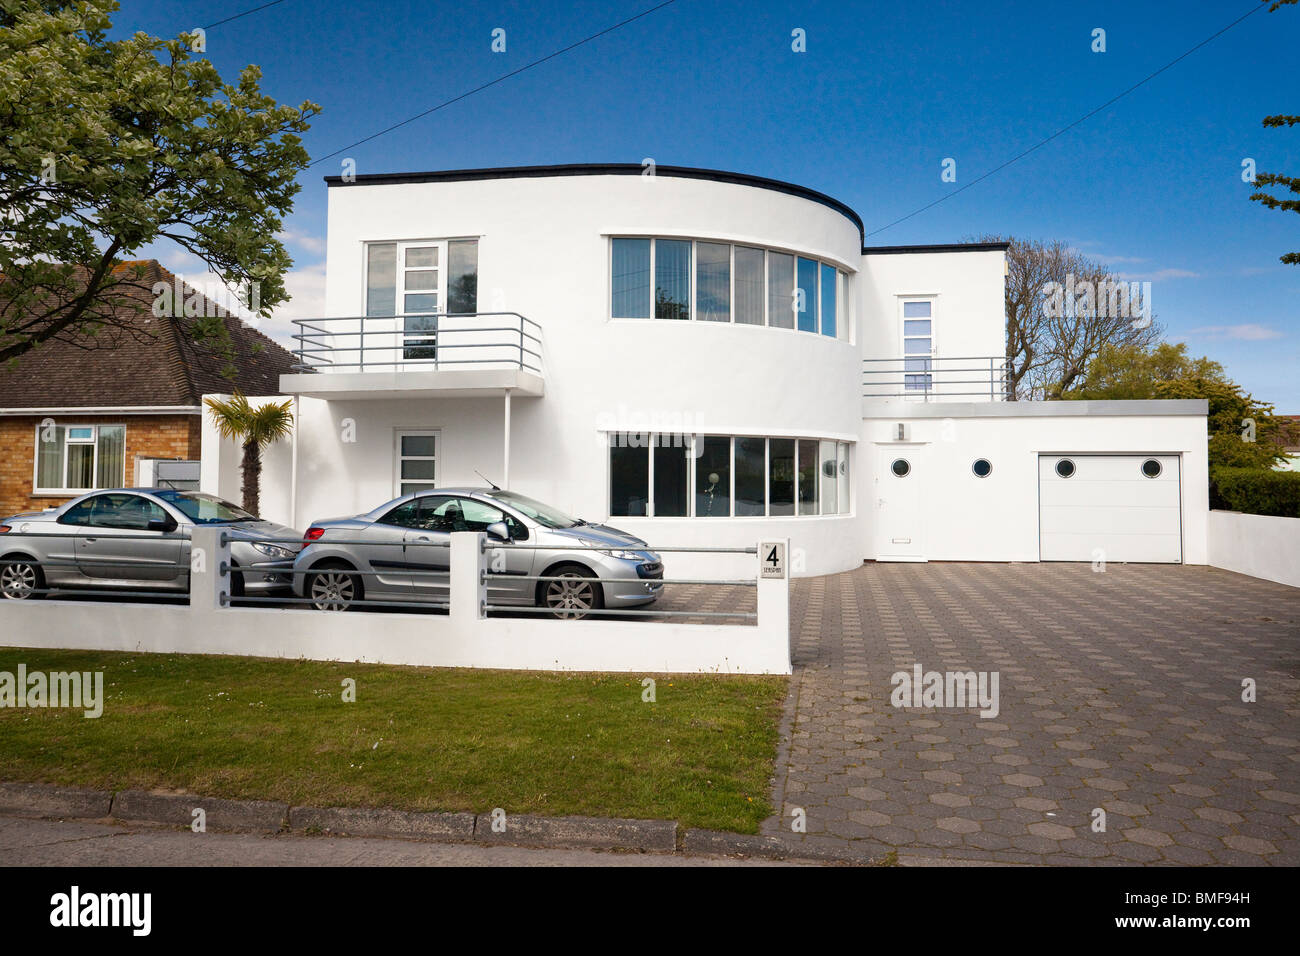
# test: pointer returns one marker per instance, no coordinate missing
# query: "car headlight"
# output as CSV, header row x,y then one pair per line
x,y
623,555
272,550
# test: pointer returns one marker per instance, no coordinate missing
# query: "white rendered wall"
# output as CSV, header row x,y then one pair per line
x,y
1262,546
996,518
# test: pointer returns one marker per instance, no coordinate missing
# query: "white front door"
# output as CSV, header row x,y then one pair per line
x,y
1110,508
900,482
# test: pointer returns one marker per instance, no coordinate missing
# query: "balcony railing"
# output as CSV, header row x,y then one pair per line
x,y
485,340
932,378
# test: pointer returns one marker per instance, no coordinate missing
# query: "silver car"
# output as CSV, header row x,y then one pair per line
x,y
397,553
136,539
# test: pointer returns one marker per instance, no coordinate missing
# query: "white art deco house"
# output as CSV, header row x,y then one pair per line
x,y
704,358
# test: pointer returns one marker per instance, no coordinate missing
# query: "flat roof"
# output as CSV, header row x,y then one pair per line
x,y
999,246
881,408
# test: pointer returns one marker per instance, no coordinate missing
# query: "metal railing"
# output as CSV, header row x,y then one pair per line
x,y
936,377
428,341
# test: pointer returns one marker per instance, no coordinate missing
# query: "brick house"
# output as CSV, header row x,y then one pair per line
x,y
80,413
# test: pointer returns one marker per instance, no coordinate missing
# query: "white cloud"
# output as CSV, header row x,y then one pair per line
x,y
307,241
1248,331
1159,275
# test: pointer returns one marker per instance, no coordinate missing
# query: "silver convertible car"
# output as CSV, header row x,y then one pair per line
x,y
136,539
393,554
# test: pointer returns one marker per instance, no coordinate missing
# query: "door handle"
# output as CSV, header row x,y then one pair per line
x,y
90,540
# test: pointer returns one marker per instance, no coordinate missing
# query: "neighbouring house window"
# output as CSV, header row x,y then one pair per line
x,y
704,281
806,295
741,477
712,282
672,279
416,467
630,279
918,345
79,457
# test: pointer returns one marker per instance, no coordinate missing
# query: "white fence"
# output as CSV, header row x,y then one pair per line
x,y
464,637
1263,546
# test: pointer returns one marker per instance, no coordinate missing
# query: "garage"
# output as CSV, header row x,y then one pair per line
x,y
1116,508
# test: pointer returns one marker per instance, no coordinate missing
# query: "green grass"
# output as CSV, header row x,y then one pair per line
x,y
416,738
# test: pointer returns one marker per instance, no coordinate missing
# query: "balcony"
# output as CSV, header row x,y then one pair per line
x,y
933,378
414,356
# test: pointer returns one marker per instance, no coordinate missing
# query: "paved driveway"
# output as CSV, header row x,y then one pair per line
x,y
1120,691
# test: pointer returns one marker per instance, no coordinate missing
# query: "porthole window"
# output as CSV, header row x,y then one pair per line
x,y
982,468
900,467
1065,468
1151,468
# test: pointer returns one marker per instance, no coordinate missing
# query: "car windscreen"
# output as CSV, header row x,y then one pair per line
x,y
544,515
204,509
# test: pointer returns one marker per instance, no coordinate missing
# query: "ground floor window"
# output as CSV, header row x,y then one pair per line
x,y
416,467
724,476
79,457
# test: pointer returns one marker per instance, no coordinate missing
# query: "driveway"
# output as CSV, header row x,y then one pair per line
x,y
1121,691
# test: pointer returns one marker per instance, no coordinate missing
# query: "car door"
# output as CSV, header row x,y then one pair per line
x,y
117,545
383,551
428,546
505,565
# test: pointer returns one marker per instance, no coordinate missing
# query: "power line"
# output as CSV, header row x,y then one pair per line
x,y
499,79
244,14
1066,129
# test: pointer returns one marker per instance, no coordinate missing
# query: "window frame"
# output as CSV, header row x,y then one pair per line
x,y
398,458
65,491
928,388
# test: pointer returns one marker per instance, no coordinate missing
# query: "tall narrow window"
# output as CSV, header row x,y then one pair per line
x,y
807,477
420,280
381,278
672,490
780,481
751,471
826,467
918,346
462,276
110,447
749,285
629,474
713,477
780,290
630,278
672,279
712,282
806,295
842,476
829,299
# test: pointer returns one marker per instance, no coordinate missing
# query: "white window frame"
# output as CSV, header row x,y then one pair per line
x,y
399,280
398,457
903,300
94,467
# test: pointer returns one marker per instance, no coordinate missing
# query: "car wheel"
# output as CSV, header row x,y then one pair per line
x,y
334,589
21,579
571,598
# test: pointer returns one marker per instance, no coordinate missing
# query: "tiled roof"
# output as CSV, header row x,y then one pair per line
x,y
142,359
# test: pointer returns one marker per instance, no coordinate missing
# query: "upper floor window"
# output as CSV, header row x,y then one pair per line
x,y
79,457
705,281
421,280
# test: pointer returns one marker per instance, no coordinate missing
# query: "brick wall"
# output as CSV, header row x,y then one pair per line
x,y
147,436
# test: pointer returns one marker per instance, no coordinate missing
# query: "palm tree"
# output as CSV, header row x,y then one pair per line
x,y
238,419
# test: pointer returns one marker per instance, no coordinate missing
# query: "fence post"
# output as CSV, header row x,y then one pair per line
x,y
469,566
210,578
774,601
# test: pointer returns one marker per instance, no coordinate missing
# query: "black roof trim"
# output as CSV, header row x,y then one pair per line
x,y
942,247
601,169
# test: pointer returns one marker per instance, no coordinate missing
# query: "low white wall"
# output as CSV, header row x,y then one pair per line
x,y
1262,546
460,639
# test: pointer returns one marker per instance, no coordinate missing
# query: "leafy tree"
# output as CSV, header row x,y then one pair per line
x,y
1277,179
1131,372
238,419
1062,310
110,145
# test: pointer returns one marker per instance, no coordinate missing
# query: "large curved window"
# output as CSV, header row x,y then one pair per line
x,y
686,279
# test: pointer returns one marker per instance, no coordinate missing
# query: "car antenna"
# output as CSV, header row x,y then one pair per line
x,y
488,480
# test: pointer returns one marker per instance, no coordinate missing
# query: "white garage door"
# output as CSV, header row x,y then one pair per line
x,y
1112,507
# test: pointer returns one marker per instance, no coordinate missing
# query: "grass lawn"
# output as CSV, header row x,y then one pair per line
x,y
416,738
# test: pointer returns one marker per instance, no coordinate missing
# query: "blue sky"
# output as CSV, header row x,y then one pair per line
x,y
884,93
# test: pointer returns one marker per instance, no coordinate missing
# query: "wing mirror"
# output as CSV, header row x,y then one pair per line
x,y
498,531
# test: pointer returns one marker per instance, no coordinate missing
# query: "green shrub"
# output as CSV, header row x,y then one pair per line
x,y
1256,491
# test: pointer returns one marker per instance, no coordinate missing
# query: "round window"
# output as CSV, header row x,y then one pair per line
x,y
982,468
1151,468
900,467
1065,468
